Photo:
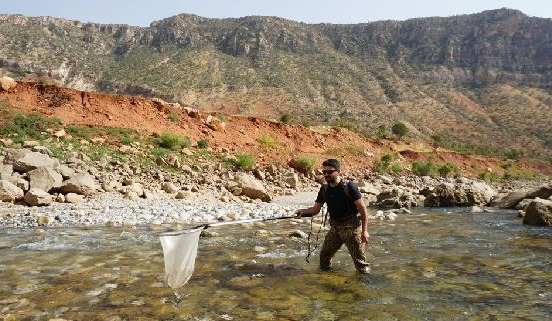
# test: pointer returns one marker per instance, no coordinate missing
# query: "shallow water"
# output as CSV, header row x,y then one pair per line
x,y
444,265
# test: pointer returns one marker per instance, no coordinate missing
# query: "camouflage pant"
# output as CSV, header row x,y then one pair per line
x,y
351,236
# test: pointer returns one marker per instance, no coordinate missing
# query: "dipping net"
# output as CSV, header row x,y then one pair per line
x,y
179,251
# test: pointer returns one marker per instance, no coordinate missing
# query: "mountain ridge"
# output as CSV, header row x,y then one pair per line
x,y
481,79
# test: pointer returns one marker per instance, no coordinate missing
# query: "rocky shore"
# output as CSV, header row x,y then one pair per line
x,y
37,189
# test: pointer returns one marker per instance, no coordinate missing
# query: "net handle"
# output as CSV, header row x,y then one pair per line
x,y
205,226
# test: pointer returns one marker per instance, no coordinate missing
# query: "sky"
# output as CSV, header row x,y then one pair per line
x,y
142,12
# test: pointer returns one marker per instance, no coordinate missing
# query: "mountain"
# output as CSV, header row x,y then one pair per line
x,y
481,82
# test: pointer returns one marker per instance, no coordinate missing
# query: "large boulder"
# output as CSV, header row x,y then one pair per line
x,y
538,212
7,83
251,187
215,124
13,154
462,194
81,183
397,197
33,160
44,178
9,192
6,171
291,178
37,197
512,199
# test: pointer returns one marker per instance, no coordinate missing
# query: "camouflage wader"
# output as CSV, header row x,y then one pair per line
x,y
348,232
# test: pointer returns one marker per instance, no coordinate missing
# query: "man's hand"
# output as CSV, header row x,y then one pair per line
x,y
299,213
365,237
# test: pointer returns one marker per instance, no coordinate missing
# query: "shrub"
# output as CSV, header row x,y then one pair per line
x,y
382,165
173,142
446,169
345,124
60,99
244,160
308,163
174,116
424,168
399,129
396,168
513,154
307,122
203,143
268,142
488,176
285,118
381,132
436,140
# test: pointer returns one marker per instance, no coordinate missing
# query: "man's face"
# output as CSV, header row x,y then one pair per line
x,y
330,174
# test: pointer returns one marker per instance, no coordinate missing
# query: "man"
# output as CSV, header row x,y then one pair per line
x,y
346,225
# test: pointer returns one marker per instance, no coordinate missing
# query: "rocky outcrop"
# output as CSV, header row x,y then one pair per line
x,y
538,212
460,194
512,199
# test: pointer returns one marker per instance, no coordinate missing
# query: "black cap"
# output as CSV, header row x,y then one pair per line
x,y
331,162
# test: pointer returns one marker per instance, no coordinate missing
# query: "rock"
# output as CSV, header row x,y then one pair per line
x,y
291,179
44,220
396,197
131,195
6,171
30,143
521,205
368,188
169,188
33,160
185,195
6,142
207,233
149,194
7,83
22,183
251,187
10,192
215,123
136,188
299,234
448,194
294,163
259,249
262,233
82,183
42,149
60,133
65,171
44,178
74,198
61,198
538,212
37,197
476,209
510,200
111,185
521,213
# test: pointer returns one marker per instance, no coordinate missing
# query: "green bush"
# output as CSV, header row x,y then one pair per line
x,y
174,116
382,165
173,142
446,169
202,144
268,142
488,176
244,160
436,140
308,163
285,118
26,126
399,129
424,168
396,168
345,124
381,132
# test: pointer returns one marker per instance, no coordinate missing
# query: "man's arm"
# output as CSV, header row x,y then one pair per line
x,y
364,219
307,212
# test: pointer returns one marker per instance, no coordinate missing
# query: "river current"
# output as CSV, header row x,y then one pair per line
x,y
438,264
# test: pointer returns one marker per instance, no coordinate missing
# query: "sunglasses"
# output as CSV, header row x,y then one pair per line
x,y
328,171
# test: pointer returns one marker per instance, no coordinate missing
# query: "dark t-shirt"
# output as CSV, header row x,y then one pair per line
x,y
338,202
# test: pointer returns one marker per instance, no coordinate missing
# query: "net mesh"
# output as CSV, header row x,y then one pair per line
x,y
180,251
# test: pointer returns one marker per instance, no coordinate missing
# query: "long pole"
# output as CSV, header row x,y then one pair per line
x,y
205,226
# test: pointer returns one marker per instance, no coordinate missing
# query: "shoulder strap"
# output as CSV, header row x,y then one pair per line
x,y
345,185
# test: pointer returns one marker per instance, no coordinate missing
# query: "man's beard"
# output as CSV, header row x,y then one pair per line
x,y
330,179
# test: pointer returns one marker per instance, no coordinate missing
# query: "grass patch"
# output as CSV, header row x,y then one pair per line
x,y
308,163
424,168
173,142
202,144
245,161
20,127
268,143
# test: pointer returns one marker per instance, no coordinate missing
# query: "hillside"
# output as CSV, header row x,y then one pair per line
x,y
482,82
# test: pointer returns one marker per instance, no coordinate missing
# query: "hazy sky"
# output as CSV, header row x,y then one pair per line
x,y
142,12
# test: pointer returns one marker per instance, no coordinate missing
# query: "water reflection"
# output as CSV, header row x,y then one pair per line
x,y
438,266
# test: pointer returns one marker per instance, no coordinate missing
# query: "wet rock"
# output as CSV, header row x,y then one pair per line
x,y
538,212
262,233
207,233
37,197
298,234
510,200
448,194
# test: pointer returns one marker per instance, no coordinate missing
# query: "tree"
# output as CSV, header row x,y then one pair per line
x,y
399,129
